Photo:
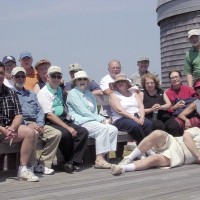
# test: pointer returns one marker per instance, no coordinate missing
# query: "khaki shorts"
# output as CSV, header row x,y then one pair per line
x,y
173,151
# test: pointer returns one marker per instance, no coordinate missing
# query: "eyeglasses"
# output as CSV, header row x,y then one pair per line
x,y
174,77
54,76
115,68
20,76
150,83
80,79
121,81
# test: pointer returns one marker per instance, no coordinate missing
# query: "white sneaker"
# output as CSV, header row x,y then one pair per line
x,y
117,170
125,161
43,169
27,175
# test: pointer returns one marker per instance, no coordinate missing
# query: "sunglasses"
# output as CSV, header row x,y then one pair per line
x,y
20,76
54,76
80,79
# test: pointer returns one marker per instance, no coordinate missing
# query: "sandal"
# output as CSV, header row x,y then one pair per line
x,y
102,165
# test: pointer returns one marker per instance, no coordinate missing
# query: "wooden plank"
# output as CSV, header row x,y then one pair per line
x,y
156,184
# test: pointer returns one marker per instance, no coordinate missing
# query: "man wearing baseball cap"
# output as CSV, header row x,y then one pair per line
x,y
192,57
9,63
26,61
92,86
74,138
143,64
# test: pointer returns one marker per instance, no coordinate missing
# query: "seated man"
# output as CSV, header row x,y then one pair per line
x,y
12,130
34,118
170,151
92,86
74,138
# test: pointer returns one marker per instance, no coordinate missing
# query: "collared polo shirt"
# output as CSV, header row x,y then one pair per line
x,y
192,63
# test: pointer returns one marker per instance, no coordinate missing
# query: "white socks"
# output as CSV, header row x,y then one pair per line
x,y
129,167
135,153
22,168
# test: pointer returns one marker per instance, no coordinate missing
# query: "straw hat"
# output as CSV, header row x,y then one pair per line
x,y
120,77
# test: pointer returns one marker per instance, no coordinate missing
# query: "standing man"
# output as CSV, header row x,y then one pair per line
x,y
11,129
74,138
34,118
26,62
92,86
143,64
9,63
192,57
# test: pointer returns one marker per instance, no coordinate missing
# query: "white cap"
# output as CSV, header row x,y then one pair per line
x,y
54,69
193,32
18,69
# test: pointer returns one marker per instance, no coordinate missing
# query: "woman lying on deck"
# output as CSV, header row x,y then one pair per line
x,y
170,151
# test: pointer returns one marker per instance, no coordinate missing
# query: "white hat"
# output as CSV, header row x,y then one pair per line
x,y
80,74
17,69
54,69
193,32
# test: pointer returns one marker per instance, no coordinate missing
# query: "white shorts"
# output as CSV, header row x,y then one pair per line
x,y
172,150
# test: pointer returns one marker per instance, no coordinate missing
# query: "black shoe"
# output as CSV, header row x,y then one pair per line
x,y
68,167
77,168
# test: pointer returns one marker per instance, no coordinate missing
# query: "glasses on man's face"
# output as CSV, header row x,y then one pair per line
x,y
115,68
20,76
80,79
56,76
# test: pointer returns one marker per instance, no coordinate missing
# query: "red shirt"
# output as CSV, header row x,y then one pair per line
x,y
184,92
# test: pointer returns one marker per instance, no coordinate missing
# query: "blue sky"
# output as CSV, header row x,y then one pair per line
x,y
88,32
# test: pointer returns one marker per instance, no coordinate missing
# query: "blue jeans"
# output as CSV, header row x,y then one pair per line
x,y
137,131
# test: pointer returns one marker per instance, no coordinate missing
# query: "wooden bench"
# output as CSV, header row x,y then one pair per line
x,y
122,139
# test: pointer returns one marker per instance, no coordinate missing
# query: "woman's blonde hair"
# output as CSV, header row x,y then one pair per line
x,y
150,76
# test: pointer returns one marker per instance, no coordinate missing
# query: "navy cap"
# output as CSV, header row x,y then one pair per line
x,y
7,59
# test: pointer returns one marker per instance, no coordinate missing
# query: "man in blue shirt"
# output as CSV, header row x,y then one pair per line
x,y
34,117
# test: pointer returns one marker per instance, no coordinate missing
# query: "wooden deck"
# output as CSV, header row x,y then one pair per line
x,y
97,184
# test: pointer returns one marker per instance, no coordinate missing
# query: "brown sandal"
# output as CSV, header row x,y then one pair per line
x,y
102,165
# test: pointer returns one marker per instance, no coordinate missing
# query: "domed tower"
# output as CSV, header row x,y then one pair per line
x,y
175,18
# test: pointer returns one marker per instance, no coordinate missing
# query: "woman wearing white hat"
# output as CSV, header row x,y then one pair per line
x,y
82,106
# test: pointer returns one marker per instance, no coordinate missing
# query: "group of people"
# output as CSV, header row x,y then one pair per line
x,y
37,104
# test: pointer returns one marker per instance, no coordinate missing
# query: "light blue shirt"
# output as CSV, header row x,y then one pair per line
x,y
79,107
31,108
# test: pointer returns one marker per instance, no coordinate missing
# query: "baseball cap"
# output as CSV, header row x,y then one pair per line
x,y
193,32
143,58
17,69
54,69
41,62
25,54
7,59
75,67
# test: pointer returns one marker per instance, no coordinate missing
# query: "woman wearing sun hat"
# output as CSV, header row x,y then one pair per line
x,y
128,109
83,107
